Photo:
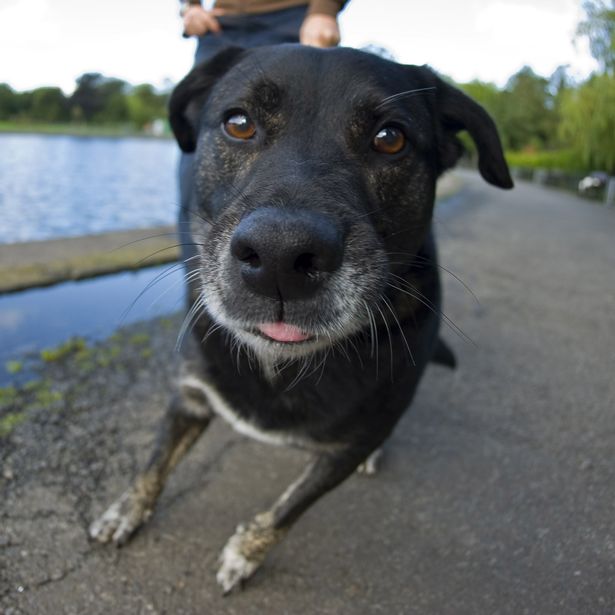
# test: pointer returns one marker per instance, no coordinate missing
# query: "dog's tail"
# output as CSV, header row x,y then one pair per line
x,y
443,355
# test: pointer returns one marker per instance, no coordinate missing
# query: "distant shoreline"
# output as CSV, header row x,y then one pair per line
x,y
77,130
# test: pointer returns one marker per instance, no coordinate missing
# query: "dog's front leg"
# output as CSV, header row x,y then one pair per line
x,y
185,420
246,549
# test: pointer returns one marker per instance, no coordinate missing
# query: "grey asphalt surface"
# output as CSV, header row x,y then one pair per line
x,y
496,494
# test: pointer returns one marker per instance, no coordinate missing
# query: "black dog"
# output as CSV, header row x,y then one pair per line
x,y
315,296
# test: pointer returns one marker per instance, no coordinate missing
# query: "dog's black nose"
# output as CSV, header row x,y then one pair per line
x,y
286,253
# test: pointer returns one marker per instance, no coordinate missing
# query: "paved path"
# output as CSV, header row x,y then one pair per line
x,y
497,493
42,263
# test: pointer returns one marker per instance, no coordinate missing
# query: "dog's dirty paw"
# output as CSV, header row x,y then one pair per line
x,y
371,465
235,567
119,522
246,549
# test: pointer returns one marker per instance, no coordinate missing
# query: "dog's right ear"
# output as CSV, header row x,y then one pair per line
x,y
457,111
188,97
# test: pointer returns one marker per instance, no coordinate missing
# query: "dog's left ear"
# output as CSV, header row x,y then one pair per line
x,y
459,112
190,94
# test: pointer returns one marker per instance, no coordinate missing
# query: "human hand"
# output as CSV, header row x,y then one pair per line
x,y
198,21
319,30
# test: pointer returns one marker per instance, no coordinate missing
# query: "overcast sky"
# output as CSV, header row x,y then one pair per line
x,y
51,42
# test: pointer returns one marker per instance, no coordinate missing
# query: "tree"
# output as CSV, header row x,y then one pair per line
x,y
99,99
48,105
599,28
8,102
23,103
112,93
588,122
85,101
527,117
145,105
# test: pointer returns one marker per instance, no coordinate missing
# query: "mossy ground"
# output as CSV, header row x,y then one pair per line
x,y
54,376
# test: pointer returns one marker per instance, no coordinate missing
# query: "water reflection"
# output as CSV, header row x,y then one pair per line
x,y
94,309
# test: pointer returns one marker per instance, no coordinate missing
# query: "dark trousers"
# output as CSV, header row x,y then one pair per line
x,y
240,31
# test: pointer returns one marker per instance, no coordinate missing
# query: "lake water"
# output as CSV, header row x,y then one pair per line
x,y
60,186
44,317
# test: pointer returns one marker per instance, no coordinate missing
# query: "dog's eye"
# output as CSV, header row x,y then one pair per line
x,y
389,140
240,126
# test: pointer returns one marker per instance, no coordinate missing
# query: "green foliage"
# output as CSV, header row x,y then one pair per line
x,y
588,122
527,118
564,160
8,101
599,27
552,123
48,105
99,99
103,100
145,105
85,101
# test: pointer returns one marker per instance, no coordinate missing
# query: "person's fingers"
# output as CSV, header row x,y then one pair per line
x,y
194,26
319,31
197,22
213,25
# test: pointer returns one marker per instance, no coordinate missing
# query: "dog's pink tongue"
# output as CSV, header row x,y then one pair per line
x,y
281,332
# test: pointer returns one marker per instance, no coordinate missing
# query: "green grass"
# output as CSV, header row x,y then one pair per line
x,y
81,130
16,404
71,346
139,339
14,367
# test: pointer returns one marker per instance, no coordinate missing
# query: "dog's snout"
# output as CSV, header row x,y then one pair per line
x,y
286,253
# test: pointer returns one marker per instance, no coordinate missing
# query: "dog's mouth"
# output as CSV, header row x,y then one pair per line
x,y
283,333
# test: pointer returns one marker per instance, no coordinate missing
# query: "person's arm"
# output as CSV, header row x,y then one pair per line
x,y
320,28
198,21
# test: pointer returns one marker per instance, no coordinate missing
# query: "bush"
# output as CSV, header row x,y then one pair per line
x,y
565,160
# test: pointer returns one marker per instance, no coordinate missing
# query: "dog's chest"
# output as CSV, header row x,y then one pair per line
x,y
221,406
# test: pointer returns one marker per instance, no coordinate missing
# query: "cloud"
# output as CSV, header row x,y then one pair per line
x,y
24,22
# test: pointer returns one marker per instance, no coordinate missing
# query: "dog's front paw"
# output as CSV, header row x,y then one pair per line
x,y
245,551
235,567
120,521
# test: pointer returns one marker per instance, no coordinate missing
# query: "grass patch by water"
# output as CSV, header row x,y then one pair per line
x,y
77,130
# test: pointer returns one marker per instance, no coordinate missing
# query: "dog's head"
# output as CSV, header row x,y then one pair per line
x,y
315,176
